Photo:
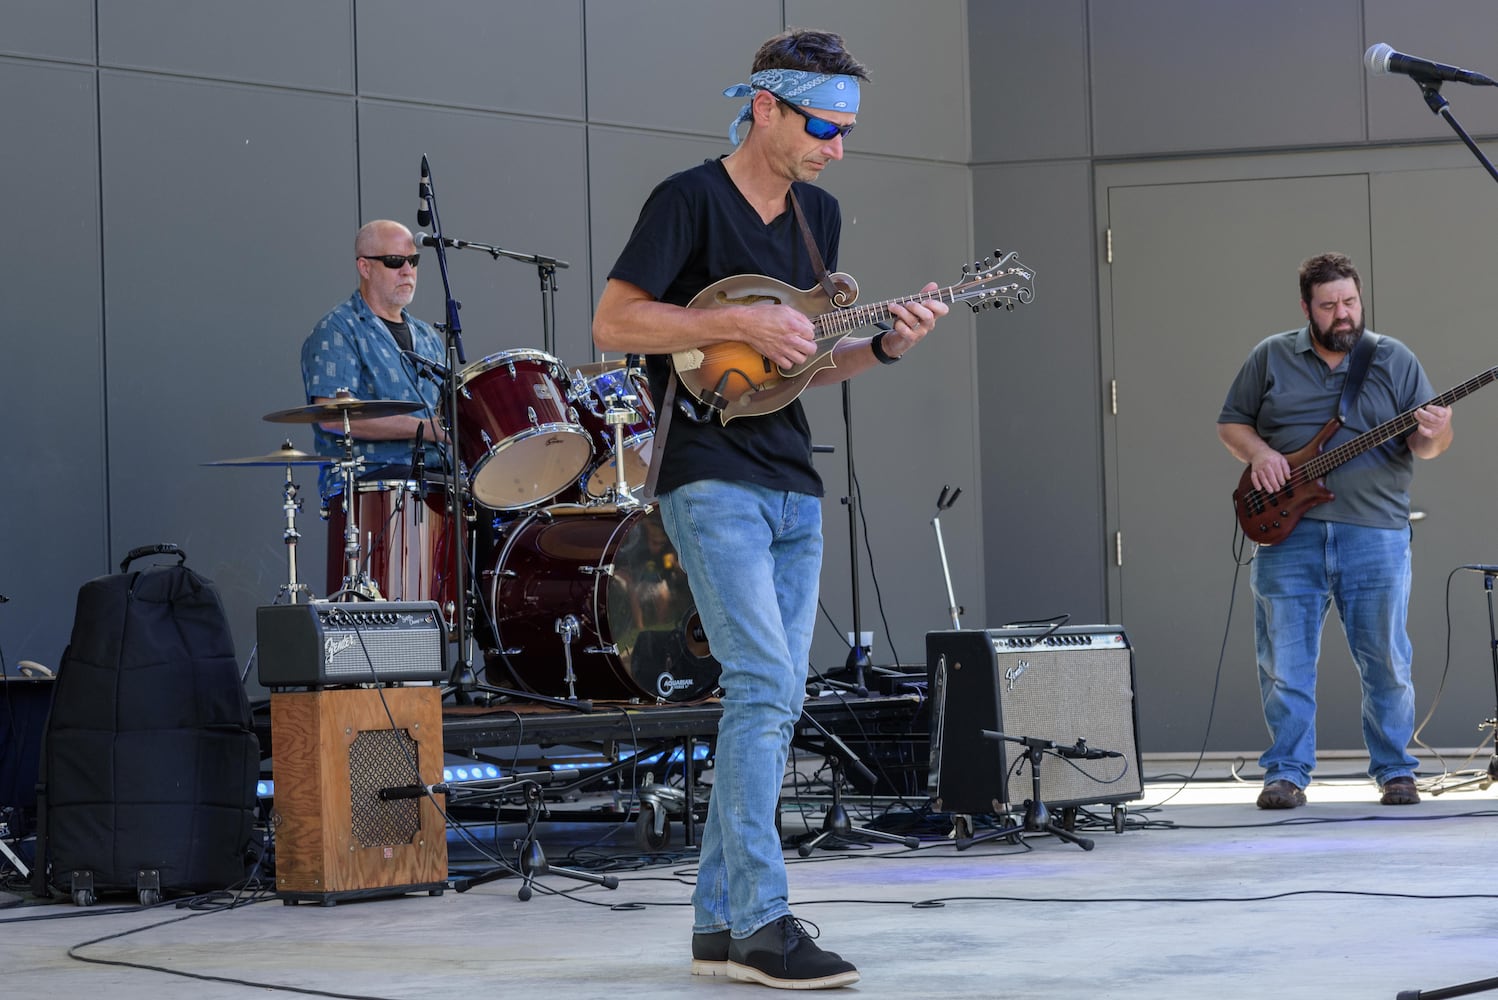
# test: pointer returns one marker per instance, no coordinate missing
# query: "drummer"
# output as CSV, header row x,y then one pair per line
x,y
359,346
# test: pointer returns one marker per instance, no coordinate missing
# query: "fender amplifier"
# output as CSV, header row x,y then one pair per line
x,y
1061,685
371,642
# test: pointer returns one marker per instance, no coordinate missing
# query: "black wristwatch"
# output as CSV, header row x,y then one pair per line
x,y
878,347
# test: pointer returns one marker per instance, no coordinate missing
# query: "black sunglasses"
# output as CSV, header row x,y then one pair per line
x,y
394,260
817,128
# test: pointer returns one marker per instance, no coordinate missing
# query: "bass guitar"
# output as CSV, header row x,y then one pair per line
x,y
735,380
1266,518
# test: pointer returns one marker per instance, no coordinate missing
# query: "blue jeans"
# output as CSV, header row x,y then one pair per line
x,y
1366,571
753,557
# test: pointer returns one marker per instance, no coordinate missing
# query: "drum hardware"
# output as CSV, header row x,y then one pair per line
x,y
343,405
291,506
569,628
612,400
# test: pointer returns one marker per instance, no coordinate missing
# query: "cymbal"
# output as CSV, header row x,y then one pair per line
x,y
287,455
357,409
598,367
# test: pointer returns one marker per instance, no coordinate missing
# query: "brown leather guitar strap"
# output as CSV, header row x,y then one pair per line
x,y
816,255
658,439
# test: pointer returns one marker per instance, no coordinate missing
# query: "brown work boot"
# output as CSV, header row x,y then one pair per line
x,y
1400,791
1281,795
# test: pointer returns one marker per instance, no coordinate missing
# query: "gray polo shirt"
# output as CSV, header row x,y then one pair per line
x,y
1286,393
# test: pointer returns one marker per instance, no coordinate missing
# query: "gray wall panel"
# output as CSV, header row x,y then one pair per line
x,y
916,104
54,514
624,166
649,79
284,42
508,56
490,192
1458,32
914,428
1175,75
52,29
1029,79
220,251
1041,401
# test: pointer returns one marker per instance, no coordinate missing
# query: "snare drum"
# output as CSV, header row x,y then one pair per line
x,y
517,434
617,578
404,541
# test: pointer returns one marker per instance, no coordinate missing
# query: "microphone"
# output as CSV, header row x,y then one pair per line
x,y
411,791
419,465
1481,568
1081,751
427,240
424,214
1382,58
426,366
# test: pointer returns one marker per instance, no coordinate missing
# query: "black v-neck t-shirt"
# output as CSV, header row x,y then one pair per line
x,y
697,228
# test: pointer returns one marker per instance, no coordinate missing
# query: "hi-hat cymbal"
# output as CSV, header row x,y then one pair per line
x,y
287,455
334,409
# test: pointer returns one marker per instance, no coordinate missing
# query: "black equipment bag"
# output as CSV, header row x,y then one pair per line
x,y
149,759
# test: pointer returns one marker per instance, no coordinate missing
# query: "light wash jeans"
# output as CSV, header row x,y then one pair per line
x,y
753,557
1366,571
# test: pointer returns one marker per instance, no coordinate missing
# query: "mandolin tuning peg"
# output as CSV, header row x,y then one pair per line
x,y
967,269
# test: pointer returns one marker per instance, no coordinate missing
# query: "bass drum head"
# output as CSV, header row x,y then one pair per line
x,y
616,578
652,619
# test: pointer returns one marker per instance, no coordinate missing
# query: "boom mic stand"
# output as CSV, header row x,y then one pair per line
x,y
1037,817
532,861
462,682
836,824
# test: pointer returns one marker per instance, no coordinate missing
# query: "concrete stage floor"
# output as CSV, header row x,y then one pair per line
x,y
1202,896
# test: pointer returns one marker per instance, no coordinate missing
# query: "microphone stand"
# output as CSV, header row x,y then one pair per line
x,y
461,680
1487,778
1431,91
546,271
1037,817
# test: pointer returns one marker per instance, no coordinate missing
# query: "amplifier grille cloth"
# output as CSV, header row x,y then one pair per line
x,y
382,758
1056,697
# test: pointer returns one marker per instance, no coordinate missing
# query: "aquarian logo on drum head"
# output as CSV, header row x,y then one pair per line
x,y
666,685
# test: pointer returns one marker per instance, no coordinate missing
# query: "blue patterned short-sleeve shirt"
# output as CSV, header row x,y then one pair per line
x,y
351,348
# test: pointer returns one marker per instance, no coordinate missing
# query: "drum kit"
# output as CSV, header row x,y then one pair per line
x,y
574,586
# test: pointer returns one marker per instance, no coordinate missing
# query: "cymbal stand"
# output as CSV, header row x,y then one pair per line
x,y
292,505
1037,817
356,583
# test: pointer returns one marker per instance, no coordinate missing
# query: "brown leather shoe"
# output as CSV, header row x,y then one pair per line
x,y
1281,795
1400,791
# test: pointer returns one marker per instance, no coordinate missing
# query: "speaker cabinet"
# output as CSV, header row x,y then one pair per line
x,y
333,751
1057,684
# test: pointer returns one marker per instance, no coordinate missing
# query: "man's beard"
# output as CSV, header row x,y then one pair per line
x,y
1337,341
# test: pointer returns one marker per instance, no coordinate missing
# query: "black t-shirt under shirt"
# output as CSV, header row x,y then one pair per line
x,y
697,228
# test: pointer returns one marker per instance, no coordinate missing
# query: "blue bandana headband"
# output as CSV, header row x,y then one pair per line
x,y
826,91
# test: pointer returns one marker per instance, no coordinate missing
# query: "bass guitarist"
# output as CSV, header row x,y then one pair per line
x,y
1353,549
741,499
